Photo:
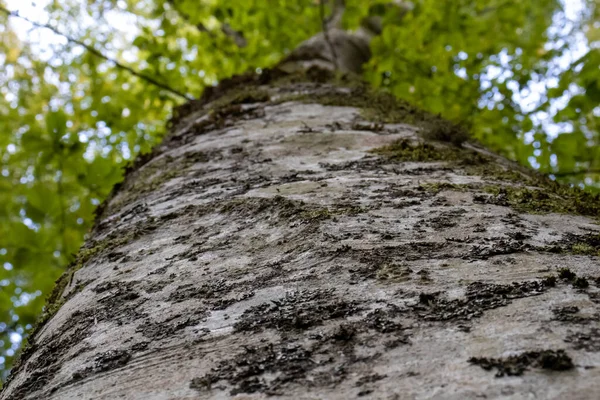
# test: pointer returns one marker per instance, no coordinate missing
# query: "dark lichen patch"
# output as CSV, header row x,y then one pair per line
x,y
364,164
120,303
213,294
518,236
479,297
345,332
247,372
445,219
103,362
368,380
588,244
496,246
140,346
524,199
579,282
301,358
586,249
154,286
209,290
541,195
441,130
440,201
394,272
492,171
385,322
406,150
585,340
243,95
437,187
105,286
570,314
296,311
566,274
189,210
516,365
224,116
37,380
389,262
171,326
372,378
121,292
223,303
288,210
543,200
110,360
424,275
201,383
549,281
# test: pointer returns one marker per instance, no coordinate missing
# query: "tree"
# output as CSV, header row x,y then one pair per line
x,y
298,234
73,115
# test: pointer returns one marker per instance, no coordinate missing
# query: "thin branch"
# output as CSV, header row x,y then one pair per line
x,y
494,8
237,36
334,21
61,198
325,28
575,173
100,54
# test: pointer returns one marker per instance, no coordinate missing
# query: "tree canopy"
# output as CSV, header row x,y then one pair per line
x,y
88,84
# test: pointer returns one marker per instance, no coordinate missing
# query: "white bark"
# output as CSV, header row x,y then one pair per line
x,y
287,260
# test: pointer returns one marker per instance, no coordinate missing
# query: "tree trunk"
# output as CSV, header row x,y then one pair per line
x,y
303,239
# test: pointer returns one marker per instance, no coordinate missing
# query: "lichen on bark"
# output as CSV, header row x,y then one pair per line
x,y
298,237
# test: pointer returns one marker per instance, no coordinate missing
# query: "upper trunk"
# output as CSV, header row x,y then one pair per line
x,y
266,249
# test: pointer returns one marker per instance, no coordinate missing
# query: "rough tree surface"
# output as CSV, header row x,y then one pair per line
x,y
309,240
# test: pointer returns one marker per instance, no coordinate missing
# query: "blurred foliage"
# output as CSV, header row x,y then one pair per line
x,y
523,76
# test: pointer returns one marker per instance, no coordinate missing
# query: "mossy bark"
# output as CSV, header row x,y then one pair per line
x,y
299,236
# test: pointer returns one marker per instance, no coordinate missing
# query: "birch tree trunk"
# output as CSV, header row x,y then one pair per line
x,y
303,239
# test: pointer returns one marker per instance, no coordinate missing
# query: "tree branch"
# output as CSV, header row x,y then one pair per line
x,y
575,173
237,36
337,13
97,53
325,27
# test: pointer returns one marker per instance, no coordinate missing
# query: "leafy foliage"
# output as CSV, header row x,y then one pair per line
x,y
523,76
484,63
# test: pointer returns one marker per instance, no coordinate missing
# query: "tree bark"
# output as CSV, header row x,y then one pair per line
x,y
304,239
